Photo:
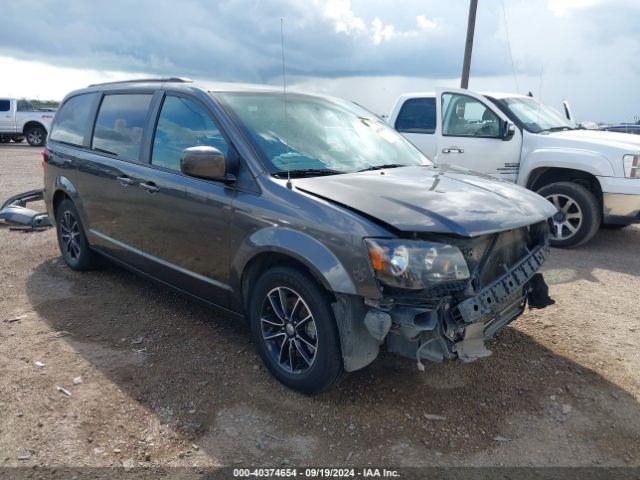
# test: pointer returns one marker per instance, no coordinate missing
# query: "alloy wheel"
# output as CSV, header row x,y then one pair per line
x,y
289,330
34,136
568,220
70,234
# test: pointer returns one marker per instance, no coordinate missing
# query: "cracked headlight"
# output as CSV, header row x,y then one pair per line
x,y
415,264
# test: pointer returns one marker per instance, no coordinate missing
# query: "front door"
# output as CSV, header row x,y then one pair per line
x,y
7,123
185,220
469,134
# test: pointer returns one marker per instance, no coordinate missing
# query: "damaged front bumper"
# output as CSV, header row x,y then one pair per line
x,y
447,330
14,211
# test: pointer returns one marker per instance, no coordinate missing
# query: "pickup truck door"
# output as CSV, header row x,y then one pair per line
x,y
469,133
7,109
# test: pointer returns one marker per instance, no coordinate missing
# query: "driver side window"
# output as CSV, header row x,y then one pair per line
x,y
464,116
183,124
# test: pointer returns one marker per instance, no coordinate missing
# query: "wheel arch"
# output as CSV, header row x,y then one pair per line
x,y
276,246
545,175
32,123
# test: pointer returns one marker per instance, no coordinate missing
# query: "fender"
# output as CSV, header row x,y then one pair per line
x,y
307,250
64,184
570,158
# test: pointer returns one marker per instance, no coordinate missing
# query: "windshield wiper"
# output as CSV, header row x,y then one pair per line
x,y
306,172
381,167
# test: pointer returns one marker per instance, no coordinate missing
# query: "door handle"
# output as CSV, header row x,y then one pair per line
x,y
125,181
452,150
150,187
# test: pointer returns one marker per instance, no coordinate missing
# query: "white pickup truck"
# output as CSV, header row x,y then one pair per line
x,y
592,176
18,119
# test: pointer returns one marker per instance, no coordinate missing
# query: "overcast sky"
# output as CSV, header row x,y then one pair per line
x,y
370,51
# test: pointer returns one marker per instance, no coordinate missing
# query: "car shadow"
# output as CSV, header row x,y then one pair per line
x,y
612,250
199,375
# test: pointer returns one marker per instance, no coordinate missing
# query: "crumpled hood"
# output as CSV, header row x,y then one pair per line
x,y
426,199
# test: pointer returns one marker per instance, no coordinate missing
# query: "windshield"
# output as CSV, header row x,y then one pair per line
x,y
535,116
318,135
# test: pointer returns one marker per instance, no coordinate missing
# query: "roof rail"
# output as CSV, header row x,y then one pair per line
x,y
146,80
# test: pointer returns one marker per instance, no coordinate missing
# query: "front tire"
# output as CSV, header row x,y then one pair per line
x,y
294,330
36,136
579,214
72,240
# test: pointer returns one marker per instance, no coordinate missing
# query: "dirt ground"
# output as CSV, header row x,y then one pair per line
x,y
162,381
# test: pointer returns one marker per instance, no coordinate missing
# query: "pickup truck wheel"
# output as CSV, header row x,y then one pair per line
x,y
4,139
36,136
18,139
294,330
579,215
71,238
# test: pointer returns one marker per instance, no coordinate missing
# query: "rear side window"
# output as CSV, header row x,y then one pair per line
x,y
5,105
70,123
120,125
417,115
24,106
183,124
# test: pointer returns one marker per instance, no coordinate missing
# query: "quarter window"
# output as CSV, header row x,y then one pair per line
x,y
5,105
417,115
120,125
70,123
183,124
464,116
24,106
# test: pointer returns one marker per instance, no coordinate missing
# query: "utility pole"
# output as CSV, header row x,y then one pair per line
x,y
471,26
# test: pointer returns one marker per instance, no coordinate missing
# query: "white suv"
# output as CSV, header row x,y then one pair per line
x,y
18,119
592,176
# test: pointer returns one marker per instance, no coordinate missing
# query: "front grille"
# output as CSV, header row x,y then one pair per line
x,y
509,248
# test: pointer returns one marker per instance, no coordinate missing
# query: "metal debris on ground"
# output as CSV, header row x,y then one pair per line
x,y
15,213
39,364
430,416
63,390
77,380
14,319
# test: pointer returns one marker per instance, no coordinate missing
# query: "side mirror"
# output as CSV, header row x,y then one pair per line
x,y
508,130
205,162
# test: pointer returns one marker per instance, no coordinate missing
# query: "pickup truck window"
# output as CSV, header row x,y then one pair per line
x,y
71,120
24,106
120,125
5,105
417,115
183,124
464,116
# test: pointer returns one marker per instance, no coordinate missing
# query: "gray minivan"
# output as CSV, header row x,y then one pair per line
x,y
306,215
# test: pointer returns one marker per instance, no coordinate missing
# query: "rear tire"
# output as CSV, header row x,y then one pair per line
x,y
299,345
72,240
579,217
4,139
36,136
18,139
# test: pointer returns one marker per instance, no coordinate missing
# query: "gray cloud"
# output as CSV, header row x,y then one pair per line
x,y
239,40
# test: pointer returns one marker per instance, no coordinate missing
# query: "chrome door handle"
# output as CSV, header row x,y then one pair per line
x,y
125,181
149,187
452,150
